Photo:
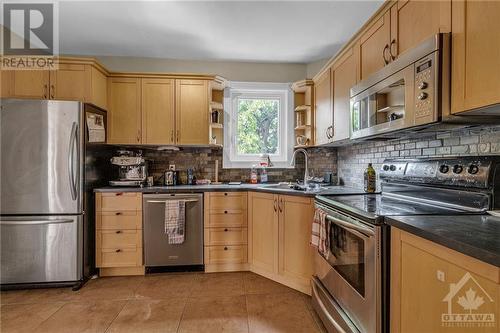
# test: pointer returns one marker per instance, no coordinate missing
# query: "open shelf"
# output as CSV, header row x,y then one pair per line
x,y
216,106
303,92
302,127
216,125
302,108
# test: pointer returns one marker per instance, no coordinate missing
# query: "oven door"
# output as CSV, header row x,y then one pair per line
x,y
351,270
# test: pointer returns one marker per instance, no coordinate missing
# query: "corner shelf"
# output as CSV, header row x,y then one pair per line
x,y
216,130
302,108
304,112
216,125
216,106
302,127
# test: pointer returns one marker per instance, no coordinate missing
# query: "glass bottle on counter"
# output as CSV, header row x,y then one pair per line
x,y
370,179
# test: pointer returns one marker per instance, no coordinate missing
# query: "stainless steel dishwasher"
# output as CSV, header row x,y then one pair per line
x,y
157,252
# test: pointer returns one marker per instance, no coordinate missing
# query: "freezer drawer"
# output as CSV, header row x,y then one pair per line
x,y
157,251
38,249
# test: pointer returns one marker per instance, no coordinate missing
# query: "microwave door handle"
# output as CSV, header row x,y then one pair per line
x,y
356,229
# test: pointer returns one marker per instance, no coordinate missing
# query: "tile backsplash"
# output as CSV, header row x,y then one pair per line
x,y
353,159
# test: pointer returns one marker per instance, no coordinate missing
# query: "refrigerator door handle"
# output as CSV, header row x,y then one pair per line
x,y
71,164
31,222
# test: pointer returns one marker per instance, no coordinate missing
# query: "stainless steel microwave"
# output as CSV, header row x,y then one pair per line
x,y
409,92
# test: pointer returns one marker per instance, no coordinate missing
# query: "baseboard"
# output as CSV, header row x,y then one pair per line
x,y
213,268
121,271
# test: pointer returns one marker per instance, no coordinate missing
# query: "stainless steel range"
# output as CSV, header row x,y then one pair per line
x,y
351,282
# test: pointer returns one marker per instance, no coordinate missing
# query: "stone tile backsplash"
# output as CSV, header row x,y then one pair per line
x,y
353,160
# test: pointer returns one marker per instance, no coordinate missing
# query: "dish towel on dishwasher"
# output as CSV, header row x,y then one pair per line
x,y
319,235
175,221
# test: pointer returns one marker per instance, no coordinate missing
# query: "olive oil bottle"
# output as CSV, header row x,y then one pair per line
x,y
370,179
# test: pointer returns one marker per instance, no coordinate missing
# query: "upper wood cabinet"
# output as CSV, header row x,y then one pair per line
x,y
158,112
427,281
124,116
403,26
344,77
413,21
192,116
323,97
475,54
72,81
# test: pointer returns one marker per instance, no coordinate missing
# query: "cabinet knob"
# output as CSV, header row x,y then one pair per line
x,y
225,248
119,193
118,213
225,212
118,250
225,194
225,230
118,231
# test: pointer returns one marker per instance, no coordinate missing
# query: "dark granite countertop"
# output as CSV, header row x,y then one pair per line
x,y
229,188
477,236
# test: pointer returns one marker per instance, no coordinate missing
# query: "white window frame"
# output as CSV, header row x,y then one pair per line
x,y
281,91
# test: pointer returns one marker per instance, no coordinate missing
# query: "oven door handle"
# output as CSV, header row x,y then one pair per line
x,y
365,231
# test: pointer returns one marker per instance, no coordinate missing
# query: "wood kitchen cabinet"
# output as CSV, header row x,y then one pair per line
x,y
344,77
225,231
158,111
124,116
475,55
72,81
119,233
323,97
279,236
427,281
374,46
192,116
413,21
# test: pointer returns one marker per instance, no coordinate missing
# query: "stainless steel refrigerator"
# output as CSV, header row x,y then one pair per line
x,y
46,228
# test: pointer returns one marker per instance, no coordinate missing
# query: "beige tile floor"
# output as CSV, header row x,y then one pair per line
x,y
190,302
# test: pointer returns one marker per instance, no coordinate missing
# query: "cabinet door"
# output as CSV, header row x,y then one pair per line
x,y
70,82
344,77
430,283
324,102
295,253
98,90
124,116
413,21
26,84
192,112
372,44
263,219
158,111
475,54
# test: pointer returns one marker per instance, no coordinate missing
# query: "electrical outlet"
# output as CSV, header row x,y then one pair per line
x,y
440,275
171,167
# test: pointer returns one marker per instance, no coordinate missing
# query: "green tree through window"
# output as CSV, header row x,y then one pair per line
x,y
258,126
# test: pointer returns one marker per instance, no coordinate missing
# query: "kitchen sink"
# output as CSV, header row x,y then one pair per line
x,y
312,187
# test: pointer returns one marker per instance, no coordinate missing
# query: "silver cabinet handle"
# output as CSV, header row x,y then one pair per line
x,y
73,140
393,56
32,222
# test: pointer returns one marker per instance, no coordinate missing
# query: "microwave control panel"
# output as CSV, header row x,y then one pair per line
x,y
424,86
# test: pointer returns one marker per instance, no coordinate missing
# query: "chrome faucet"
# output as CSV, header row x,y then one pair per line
x,y
306,172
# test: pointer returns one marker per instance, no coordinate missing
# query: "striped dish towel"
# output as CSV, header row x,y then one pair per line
x,y
175,221
319,235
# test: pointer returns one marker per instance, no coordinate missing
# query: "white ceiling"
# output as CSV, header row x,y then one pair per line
x,y
261,31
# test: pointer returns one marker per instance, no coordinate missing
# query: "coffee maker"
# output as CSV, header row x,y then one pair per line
x,y
132,168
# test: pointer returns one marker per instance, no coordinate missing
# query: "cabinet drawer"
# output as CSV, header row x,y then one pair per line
x,y
120,257
118,201
228,201
228,219
119,220
115,239
225,236
230,254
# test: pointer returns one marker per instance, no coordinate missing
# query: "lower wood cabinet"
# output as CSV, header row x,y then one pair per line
x,y
225,231
433,288
279,238
119,233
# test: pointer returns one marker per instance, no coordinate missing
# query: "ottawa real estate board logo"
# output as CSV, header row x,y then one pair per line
x,y
30,38
469,305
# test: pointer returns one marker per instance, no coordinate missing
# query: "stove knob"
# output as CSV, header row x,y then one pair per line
x,y
444,168
422,85
422,96
457,169
393,167
473,169
385,167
